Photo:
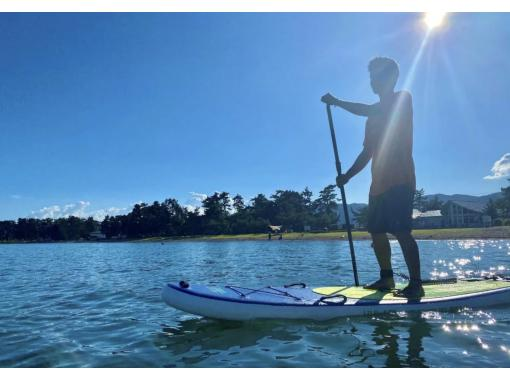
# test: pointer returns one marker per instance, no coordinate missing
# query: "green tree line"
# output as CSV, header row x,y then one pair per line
x,y
219,213
61,229
222,214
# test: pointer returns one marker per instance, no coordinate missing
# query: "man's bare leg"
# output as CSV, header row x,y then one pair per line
x,y
412,258
411,254
382,251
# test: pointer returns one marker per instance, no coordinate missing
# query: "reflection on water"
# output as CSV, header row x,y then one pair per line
x,y
389,340
387,335
99,305
196,340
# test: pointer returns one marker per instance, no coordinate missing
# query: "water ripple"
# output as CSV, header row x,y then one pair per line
x,y
99,305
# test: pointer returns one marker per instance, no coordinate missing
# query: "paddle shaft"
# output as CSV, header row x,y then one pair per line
x,y
342,193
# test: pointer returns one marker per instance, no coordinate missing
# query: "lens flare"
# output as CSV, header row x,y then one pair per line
x,y
434,19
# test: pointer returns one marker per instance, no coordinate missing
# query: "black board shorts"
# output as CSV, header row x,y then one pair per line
x,y
391,211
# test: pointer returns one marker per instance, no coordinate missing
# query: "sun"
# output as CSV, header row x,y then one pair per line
x,y
434,19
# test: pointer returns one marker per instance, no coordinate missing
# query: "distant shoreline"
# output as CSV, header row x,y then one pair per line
x,y
432,234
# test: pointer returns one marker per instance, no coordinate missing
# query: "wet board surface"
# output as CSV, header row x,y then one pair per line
x,y
431,291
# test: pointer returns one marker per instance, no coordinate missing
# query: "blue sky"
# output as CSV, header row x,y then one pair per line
x,y
99,111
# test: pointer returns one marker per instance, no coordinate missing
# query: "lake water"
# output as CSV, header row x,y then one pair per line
x,y
99,305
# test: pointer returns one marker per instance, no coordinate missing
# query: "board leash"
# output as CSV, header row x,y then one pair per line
x,y
439,281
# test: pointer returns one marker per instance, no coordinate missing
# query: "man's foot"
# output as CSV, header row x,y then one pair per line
x,y
384,284
411,291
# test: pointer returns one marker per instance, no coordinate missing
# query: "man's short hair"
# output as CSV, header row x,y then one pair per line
x,y
384,67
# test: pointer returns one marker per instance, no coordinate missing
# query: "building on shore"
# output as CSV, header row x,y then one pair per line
x,y
96,235
428,219
465,214
453,214
275,229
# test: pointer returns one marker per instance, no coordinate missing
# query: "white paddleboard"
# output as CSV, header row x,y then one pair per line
x,y
323,303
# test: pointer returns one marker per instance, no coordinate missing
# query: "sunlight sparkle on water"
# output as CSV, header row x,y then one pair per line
x,y
462,262
485,346
431,315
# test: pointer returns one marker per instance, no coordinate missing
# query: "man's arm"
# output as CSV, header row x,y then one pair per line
x,y
359,109
362,161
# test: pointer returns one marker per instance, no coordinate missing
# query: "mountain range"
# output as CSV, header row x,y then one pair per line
x,y
482,199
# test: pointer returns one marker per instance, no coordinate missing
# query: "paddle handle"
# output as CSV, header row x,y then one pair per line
x,y
342,194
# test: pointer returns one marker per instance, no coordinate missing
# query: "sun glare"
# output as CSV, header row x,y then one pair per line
x,y
434,19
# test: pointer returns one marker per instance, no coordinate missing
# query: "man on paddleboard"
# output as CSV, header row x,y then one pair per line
x,y
389,144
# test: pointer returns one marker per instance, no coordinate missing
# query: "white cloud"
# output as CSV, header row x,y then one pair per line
x,y
501,168
111,211
15,196
197,197
79,209
76,209
47,212
195,202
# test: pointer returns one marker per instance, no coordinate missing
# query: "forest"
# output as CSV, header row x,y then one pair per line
x,y
219,213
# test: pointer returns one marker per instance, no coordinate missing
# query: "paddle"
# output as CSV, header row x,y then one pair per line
x,y
342,194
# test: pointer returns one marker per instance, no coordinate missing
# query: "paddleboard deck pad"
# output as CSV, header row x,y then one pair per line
x,y
297,301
